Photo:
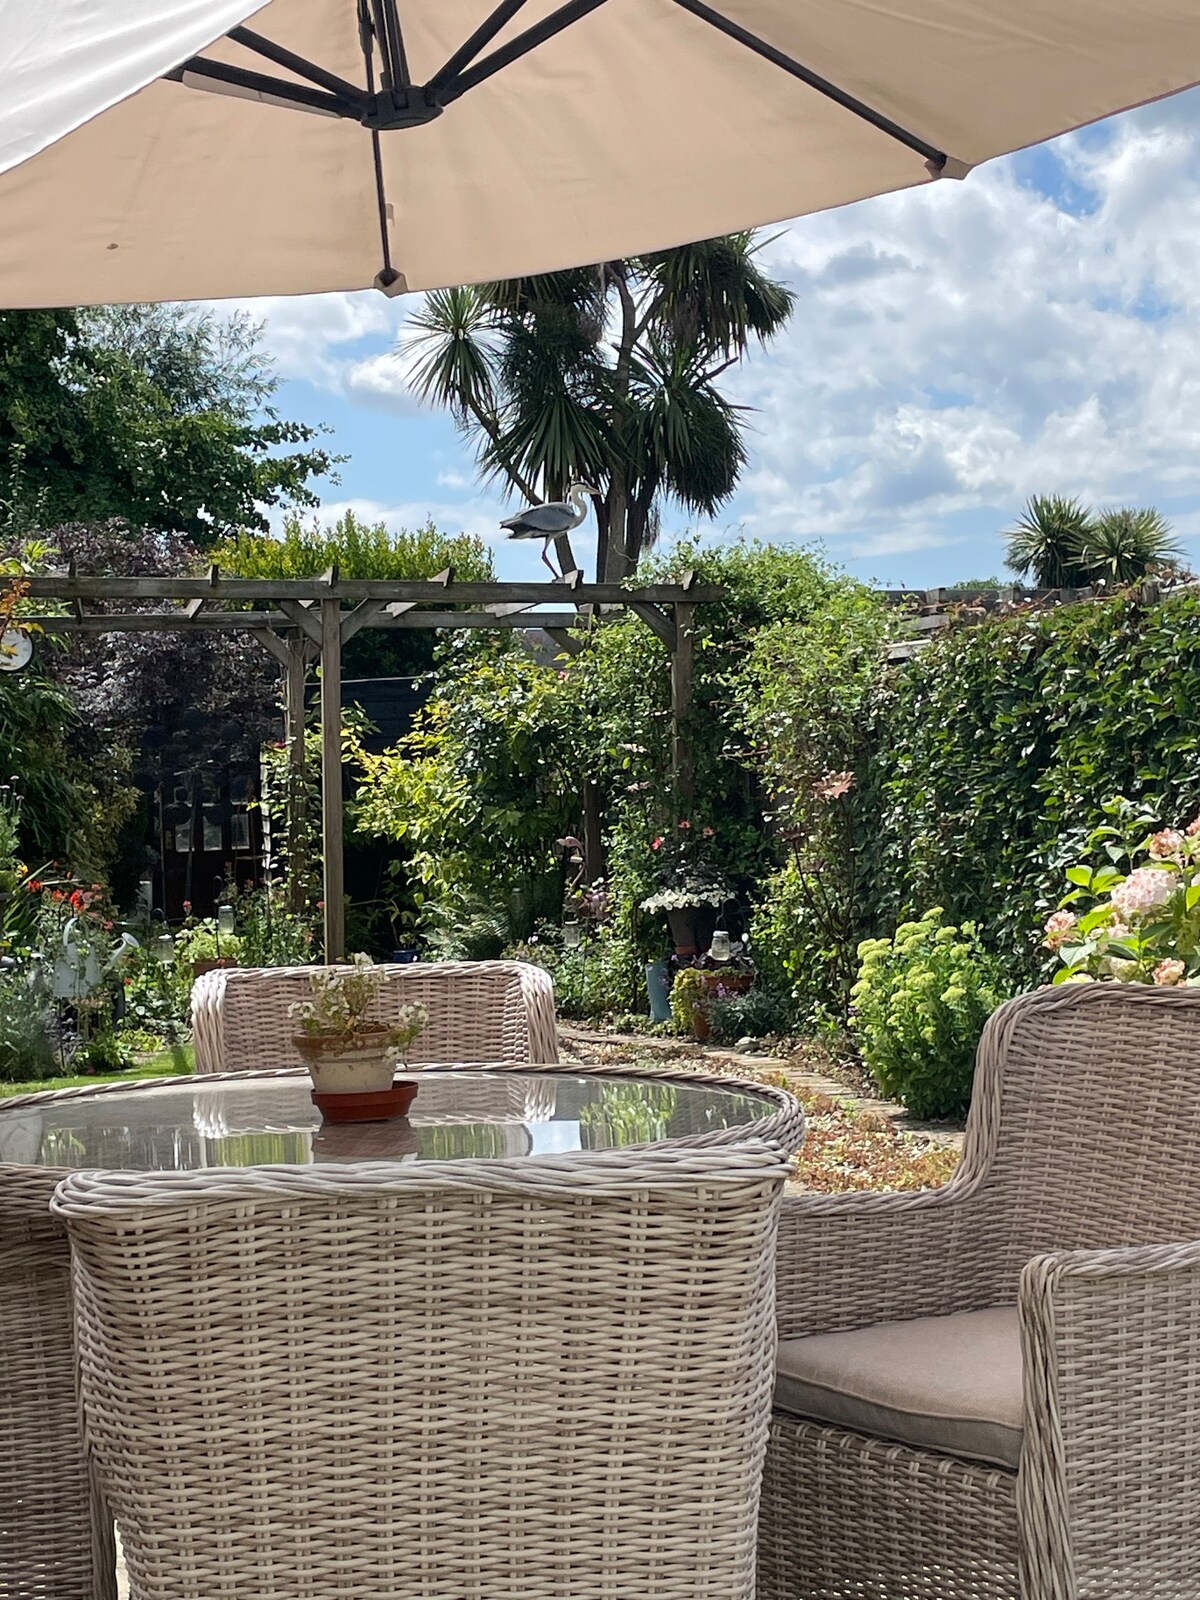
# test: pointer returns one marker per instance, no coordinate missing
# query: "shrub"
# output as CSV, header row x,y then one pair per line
x,y
26,1047
755,1014
920,1004
1143,923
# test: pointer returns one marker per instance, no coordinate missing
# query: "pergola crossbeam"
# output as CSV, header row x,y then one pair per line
x,y
303,617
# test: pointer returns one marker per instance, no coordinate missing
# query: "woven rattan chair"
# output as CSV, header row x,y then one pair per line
x,y
918,1457
478,1011
465,1381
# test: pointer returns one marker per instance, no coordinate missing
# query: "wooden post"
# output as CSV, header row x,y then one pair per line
x,y
681,702
593,831
331,780
297,822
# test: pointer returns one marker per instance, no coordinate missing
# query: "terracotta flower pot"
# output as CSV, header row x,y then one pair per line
x,y
199,968
347,1063
719,985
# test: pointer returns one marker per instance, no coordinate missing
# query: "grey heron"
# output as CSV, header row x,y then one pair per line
x,y
552,520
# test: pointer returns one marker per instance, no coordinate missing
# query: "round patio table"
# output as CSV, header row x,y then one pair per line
x,y
56,1538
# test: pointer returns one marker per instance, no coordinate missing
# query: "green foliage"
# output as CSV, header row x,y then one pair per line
x,y
1048,541
363,550
1067,546
26,1049
993,751
480,789
593,982
799,695
1125,543
158,414
607,375
1133,910
689,998
756,1014
920,1004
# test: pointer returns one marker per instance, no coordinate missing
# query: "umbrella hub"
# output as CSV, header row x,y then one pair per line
x,y
410,108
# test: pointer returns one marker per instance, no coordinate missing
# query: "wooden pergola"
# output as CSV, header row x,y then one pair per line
x,y
301,620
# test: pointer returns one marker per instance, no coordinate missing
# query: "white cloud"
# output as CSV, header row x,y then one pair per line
x,y
959,347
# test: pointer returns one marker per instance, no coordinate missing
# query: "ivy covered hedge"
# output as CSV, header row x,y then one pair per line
x,y
990,757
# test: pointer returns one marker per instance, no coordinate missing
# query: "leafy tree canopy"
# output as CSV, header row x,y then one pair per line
x,y
160,415
363,550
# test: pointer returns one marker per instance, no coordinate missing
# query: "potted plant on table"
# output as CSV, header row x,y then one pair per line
x,y
351,1056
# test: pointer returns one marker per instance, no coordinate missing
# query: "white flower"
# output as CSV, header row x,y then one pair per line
x,y
1143,891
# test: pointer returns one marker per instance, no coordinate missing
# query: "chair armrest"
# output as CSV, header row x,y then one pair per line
x,y
1110,1465
847,1260
208,1021
537,991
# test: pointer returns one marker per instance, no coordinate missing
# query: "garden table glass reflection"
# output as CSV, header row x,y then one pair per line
x,y
258,1121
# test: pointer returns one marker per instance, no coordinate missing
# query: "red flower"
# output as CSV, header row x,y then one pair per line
x,y
57,896
656,844
320,905
685,823
187,908
708,833
34,886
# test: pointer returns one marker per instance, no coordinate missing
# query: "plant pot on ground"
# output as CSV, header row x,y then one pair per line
x,y
213,964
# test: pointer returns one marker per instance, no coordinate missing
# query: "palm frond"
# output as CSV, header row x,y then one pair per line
x,y
1126,542
450,346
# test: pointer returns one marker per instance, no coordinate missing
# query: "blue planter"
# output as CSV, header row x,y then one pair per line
x,y
405,958
658,987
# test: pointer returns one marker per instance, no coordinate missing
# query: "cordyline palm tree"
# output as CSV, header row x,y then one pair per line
x,y
1068,546
1048,540
607,375
1125,543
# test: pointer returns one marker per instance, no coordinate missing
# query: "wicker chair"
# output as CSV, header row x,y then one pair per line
x,y
478,1011
469,1381
993,1389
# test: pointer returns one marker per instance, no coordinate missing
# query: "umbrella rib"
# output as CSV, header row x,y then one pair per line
x,y
293,63
484,34
553,24
936,158
296,94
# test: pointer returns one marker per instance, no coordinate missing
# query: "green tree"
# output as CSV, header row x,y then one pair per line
x,y
1048,541
361,549
159,415
1124,543
607,374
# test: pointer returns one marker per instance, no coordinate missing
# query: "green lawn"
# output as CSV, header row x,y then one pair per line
x,y
176,1059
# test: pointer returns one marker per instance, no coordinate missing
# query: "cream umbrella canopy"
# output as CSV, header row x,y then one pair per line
x,y
416,143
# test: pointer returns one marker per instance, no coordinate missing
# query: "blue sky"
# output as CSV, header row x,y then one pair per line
x,y
1035,328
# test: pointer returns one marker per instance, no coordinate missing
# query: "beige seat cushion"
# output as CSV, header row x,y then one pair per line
x,y
951,1384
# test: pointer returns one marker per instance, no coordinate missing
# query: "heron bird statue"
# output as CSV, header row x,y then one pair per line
x,y
551,521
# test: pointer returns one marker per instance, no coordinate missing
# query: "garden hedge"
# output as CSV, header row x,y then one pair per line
x,y
993,751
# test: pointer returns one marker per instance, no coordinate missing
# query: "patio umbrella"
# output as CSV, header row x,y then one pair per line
x,y
184,149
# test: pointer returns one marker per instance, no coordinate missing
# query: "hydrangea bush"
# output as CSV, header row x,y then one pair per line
x,y
919,1007
1135,916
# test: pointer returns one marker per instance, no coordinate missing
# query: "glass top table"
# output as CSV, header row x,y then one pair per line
x,y
269,1119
